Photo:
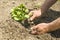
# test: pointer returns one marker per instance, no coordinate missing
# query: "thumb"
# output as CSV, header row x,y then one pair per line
x,y
33,17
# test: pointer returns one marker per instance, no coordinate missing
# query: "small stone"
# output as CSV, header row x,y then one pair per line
x,y
10,32
13,2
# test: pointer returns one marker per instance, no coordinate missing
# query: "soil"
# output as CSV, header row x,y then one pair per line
x,y
13,30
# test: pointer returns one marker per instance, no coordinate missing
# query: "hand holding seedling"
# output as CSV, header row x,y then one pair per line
x,y
35,14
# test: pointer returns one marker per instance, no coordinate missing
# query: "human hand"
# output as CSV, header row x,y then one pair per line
x,y
40,28
35,14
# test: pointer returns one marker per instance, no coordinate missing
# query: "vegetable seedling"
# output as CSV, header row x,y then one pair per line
x,y
20,13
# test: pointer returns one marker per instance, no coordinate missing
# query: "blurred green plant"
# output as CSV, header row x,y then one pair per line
x,y
20,13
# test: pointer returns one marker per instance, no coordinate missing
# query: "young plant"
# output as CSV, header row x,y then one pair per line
x,y
20,13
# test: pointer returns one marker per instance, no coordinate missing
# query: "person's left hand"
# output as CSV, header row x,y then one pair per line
x,y
40,28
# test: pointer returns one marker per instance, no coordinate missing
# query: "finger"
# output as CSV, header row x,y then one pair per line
x,y
33,17
39,33
31,13
34,28
36,33
38,30
43,32
33,32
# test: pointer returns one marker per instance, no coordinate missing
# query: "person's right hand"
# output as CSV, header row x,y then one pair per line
x,y
35,14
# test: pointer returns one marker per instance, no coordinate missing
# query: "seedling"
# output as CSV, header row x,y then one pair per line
x,y
20,13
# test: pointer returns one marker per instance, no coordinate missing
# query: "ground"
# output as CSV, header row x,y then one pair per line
x,y
13,30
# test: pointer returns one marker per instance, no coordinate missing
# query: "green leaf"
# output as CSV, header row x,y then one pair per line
x,y
15,18
26,16
14,15
26,10
19,13
12,10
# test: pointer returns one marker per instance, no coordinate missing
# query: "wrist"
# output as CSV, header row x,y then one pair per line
x,y
53,26
50,27
41,11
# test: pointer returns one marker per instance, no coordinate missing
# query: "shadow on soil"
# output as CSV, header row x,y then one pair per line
x,y
56,33
46,18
